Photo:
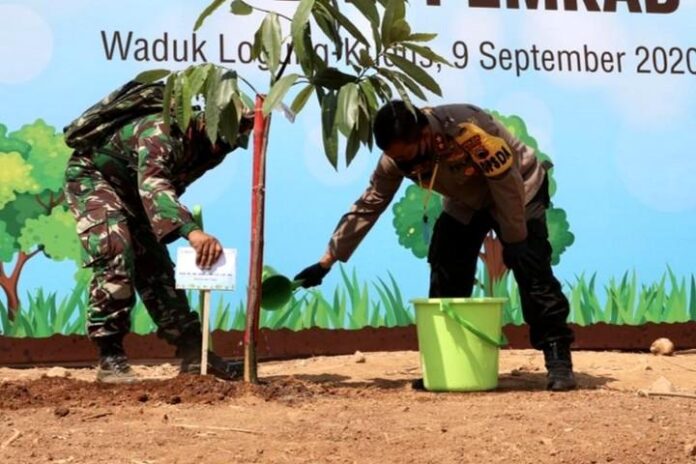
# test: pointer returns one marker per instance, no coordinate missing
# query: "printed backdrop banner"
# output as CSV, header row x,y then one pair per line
x,y
605,88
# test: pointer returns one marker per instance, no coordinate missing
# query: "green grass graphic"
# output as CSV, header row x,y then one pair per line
x,y
354,304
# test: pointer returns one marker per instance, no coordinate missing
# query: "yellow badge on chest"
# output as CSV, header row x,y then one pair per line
x,y
490,153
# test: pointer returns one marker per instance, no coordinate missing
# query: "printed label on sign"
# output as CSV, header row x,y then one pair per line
x,y
490,153
220,277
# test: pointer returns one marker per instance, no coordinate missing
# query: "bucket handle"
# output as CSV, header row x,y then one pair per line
x,y
447,309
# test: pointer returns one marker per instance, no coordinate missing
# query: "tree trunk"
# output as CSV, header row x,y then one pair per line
x,y
261,127
10,283
492,257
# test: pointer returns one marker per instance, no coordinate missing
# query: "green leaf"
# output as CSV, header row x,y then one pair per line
x,y
395,11
328,26
227,87
229,122
427,52
271,38
368,9
182,91
207,12
382,89
153,75
241,8
347,111
364,58
416,73
257,47
309,59
346,23
364,126
410,84
402,93
332,78
421,37
212,109
277,92
400,31
300,26
352,146
329,129
369,94
248,101
167,101
197,76
301,99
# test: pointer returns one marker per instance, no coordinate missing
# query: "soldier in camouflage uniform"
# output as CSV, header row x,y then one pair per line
x,y
489,180
125,198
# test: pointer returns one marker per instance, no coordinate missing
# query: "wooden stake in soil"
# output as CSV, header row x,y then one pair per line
x,y
205,316
204,304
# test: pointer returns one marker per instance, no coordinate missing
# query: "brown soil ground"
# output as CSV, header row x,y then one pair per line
x,y
354,409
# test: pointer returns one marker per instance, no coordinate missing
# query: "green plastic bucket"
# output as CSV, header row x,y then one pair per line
x,y
459,340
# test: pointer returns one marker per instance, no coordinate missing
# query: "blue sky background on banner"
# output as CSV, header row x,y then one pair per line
x,y
623,143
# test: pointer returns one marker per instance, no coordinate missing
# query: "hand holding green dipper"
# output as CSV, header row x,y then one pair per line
x,y
276,289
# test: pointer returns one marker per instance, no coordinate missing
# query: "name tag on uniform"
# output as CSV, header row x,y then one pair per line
x,y
221,276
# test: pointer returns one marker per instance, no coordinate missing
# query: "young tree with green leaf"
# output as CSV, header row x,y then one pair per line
x,y
348,97
33,217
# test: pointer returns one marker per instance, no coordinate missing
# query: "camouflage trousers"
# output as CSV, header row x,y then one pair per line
x,y
125,257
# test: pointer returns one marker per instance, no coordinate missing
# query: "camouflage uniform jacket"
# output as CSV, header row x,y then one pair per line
x,y
150,169
480,165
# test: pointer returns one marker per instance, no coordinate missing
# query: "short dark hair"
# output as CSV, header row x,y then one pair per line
x,y
395,121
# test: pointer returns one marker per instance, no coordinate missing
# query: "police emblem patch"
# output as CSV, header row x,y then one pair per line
x,y
490,153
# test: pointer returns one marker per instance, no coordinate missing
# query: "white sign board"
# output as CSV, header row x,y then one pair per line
x,y
221,276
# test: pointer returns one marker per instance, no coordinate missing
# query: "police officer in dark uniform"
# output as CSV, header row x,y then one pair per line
x,y
489,180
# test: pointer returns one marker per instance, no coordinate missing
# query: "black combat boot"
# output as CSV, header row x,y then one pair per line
x,y
113,363
188,348
559,366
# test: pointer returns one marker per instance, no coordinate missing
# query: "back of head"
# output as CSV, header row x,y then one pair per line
x,y
396,122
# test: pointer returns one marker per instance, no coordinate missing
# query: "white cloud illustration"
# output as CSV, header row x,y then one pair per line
x,y
643,100
27,44
655,168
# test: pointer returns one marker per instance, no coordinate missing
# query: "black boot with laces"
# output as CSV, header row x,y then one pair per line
x,y
113,363
559,366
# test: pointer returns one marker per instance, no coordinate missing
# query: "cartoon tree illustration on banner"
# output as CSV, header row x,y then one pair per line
x,y
391,59
409,226
33,217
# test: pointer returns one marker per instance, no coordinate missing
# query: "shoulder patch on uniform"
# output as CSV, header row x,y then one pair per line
x,y
490,153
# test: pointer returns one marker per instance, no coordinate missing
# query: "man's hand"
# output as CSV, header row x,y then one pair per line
x,y
208,248
313,275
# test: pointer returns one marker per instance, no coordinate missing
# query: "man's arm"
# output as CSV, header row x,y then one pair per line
x,y
155,152
356,223
362,216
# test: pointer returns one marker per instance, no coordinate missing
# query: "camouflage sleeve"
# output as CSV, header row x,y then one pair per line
x,y
156,152
356,223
